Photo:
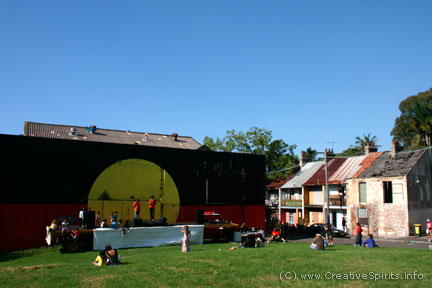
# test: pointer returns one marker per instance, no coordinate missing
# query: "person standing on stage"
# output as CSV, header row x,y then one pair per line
x,y
137,207
152,204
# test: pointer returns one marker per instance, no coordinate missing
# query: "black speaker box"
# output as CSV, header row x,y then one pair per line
x,y
89,219
200,216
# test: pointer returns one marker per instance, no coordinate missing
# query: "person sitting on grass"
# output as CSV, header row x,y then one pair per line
x,y
275,236
101,259
318,243
370,242
112,256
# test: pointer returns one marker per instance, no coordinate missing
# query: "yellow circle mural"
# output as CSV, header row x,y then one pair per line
x,y
118,186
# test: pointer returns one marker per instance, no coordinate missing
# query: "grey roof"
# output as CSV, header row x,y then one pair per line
x,y
69,132
385,166
303,175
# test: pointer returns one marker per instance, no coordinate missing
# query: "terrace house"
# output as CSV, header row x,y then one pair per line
x,y
393,194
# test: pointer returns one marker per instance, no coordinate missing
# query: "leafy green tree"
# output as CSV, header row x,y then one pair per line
x,y
413,128
279,155
351,151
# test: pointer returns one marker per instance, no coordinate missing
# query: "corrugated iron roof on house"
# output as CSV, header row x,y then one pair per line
x,y
95,134
303,175
347,169
319,177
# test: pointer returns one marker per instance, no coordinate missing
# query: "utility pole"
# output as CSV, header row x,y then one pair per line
x,y
328,153
326,193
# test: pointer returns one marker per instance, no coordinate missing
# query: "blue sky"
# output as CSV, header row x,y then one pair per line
x,y
312,72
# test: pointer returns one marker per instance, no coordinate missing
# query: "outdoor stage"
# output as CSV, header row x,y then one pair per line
x,y
145,236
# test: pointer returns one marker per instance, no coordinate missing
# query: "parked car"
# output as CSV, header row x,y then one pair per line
x,y
318,228
218,229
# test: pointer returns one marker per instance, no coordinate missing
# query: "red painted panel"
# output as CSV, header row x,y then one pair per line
x,y
27,223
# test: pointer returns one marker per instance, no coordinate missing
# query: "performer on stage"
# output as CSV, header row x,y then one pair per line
x,y
137,207
152,204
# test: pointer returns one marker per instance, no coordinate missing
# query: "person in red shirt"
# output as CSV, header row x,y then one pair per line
x,y
358,240
429,228
152,204
276,236
137,208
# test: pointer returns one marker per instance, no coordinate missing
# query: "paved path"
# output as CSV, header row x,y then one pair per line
x,y
403,242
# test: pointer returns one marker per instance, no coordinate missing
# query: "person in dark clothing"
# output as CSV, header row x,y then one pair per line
x,y
112,255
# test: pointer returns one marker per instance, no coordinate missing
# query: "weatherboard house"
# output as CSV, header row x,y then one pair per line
x,y
392,194
55,170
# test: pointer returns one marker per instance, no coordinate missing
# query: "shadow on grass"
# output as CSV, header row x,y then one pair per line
x,y
13,255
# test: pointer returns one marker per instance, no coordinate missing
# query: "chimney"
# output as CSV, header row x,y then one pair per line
x,y
395,148
370,148
73,132
175,135
304,158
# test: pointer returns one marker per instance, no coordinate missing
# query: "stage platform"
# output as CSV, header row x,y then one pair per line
x,y
145,236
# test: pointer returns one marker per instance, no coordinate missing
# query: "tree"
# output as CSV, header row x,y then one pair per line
x,y
313,153
359,147
351,151
413,128
363,141
279,155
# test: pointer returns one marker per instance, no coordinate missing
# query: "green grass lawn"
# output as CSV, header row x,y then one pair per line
x,y
214,265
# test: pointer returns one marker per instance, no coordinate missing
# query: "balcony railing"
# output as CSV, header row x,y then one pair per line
x,y
337,202
291,203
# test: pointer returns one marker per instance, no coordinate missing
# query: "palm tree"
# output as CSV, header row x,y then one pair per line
x,y
363,141
313,153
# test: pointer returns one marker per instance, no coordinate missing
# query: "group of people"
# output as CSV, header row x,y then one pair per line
x,y
109,256
322,241
152,205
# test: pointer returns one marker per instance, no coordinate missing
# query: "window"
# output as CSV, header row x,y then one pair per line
x,y
388,191
291,218
363,194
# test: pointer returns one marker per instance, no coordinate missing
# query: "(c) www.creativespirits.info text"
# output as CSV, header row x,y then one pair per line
x,y
293,276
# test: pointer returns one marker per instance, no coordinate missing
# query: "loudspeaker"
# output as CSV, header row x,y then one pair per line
x,y
89,219
162,221
200,216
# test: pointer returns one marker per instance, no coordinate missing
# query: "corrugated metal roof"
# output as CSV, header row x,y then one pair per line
x,y
303,175
34,129
347,169
319,177
276,184
385,166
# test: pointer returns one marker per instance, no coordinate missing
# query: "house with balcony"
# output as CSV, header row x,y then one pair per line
x,y
292,193
272,197
314,198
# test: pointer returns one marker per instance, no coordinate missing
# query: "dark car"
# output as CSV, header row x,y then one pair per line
x,y
318,228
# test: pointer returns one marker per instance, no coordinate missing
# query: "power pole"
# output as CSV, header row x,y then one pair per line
x,y
326,195
328,153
